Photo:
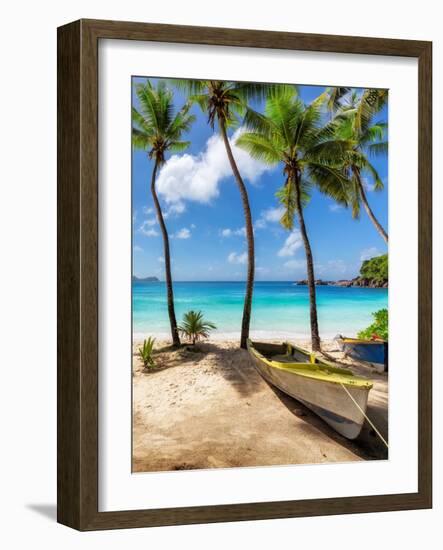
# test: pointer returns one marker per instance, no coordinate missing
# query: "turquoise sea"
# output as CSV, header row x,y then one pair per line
x,y
280,309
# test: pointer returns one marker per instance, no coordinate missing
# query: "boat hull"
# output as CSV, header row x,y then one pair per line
x,y
372,352
330,401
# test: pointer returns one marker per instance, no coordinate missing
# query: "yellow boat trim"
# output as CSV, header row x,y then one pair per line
x,y
359,341
316,371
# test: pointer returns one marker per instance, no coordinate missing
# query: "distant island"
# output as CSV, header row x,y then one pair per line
x,y
146,279
373,274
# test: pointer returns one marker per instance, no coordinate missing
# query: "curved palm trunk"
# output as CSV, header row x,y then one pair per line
x,y
170,293
369,212
246,320
315,338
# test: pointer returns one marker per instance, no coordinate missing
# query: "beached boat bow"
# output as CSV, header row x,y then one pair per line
x,y
335,394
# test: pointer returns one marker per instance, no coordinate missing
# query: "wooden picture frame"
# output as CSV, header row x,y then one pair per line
x,y
78,274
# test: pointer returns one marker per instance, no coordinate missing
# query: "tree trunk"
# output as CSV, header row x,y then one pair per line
x,y
369,212
315,338
170,293
246,320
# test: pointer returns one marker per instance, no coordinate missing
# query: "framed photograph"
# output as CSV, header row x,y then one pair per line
x,y
244,275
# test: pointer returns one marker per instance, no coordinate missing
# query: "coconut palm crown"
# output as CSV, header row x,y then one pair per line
x,y
157,129
367,138
292,134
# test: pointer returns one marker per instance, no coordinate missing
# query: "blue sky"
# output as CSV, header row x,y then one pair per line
x,y
205,219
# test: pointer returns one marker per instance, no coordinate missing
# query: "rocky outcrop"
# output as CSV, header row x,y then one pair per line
x,y
373,274
357,281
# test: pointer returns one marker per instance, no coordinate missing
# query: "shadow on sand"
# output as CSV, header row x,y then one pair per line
x,y
367,446
246,381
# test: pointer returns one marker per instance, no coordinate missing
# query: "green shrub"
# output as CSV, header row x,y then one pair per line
x,y
194,327
379,327
146,353
375,269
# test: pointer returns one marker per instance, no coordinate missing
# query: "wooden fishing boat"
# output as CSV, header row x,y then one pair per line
x,y
335,394
374,352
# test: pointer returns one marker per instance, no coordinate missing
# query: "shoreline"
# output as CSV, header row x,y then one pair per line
x,y
234,337
209,408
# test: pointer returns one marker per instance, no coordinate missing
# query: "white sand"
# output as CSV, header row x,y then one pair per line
x,y
212,409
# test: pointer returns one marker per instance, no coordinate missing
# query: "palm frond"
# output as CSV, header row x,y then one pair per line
x,y
179,146
331,181
287,198
378,182
141,140
335,96
189,86
371,102
378,149
259,147
195,327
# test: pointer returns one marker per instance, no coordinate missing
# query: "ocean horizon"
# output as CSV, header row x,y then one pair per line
x,y
280,309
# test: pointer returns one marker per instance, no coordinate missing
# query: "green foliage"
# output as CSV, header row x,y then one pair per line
x,y
222,101
146,353
375,269
355,125
379,327
195,327
293,133
156,128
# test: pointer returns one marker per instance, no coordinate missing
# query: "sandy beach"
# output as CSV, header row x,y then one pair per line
x,y
211,409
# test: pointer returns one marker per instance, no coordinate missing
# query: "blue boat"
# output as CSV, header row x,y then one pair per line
x,y
374,352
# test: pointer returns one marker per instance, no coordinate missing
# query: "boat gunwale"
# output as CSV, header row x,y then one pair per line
x,y
296,368
362,341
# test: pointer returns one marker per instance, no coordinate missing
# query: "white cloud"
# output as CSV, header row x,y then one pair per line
x,y
148,231
183,233
271,215
292,244
147,210
161,259
262,270
241,232
369,253
174,209
147,227
197,177
137,248
235,258
260,224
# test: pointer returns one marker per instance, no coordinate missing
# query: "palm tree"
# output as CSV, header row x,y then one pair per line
x,y
224,102
195,327
157,130
290,133
355,122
